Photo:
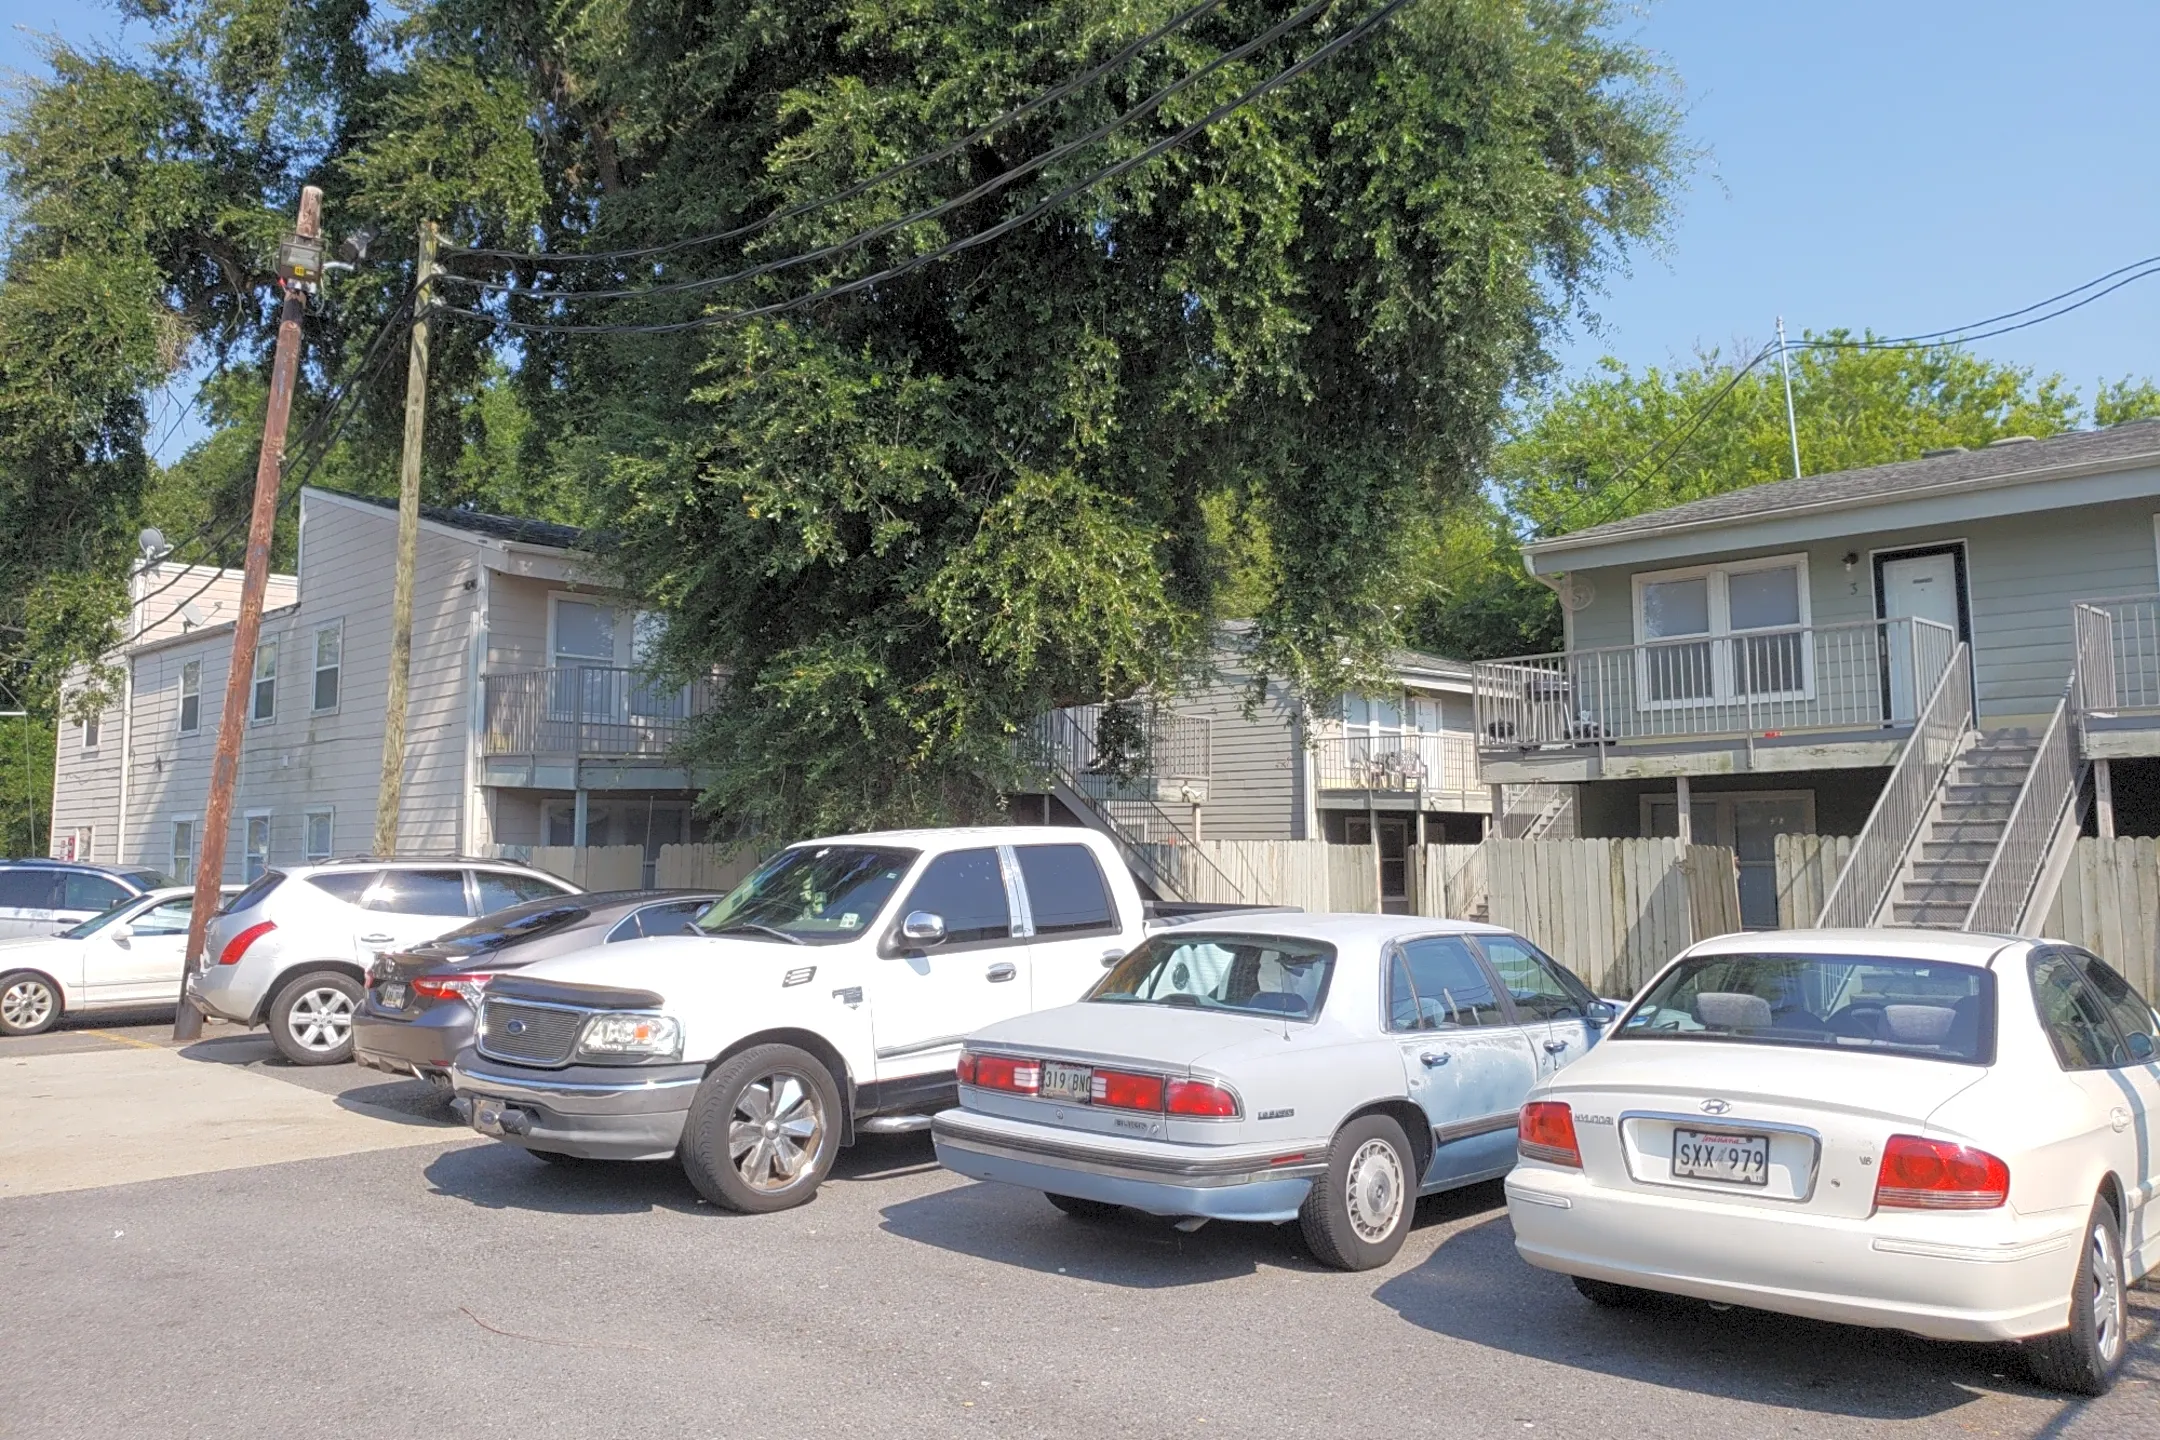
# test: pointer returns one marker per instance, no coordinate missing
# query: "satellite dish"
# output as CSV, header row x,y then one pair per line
x,y
1577,593
152,541
190,617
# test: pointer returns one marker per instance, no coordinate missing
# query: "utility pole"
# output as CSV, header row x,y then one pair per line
x,y
1792,426
391,795
299,270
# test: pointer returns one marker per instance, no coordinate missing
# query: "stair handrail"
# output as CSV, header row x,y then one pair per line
x,y
2051,784
1879,852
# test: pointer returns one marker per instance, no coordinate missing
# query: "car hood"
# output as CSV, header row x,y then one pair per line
x,y
678,968
1160,1037
1855,1082
21,947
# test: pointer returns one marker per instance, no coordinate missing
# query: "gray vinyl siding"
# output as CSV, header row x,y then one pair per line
x,y
517,629
1256,785
2023,573
86,786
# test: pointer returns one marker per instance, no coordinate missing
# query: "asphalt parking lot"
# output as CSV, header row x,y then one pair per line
x,y
439,1285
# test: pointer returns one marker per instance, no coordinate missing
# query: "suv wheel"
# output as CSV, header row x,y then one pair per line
x,y
29,1003
763,1131
311,1018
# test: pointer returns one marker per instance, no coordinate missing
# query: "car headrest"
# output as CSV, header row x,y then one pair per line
x,y
1918,1024
1731,1010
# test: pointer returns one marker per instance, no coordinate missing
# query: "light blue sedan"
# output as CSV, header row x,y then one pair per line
x,y
1322,1068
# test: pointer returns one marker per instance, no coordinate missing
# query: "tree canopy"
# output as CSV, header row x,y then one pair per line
x,y
905,519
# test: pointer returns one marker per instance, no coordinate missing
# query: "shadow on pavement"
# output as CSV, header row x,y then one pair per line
x,y
403,1102
503,1177
885,1157
245,1047
1475,1287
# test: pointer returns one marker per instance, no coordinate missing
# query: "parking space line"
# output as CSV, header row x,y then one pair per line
x,y
123,1039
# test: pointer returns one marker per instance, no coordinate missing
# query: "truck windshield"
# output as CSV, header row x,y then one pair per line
x,y
1829,1002
1252,974
811,895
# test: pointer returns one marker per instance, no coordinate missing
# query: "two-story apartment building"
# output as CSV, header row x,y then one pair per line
x,y
529,722
1760,662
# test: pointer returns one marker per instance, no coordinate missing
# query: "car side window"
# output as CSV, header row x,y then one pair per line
x,y
170,918
2071,1013
350,886
28,889
419,892
500,890
1436,983
966,889
1065,890
672,918
85,891
1540,987
2132,1013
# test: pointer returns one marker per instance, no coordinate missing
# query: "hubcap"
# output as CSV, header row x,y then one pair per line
x,y
777,1128
2107,1296
1374,1191
321,1019
27,1003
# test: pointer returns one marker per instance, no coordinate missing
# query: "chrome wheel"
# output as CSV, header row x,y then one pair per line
x,y
321,1019
2104,1274
776,1130
28,1004
1373,1192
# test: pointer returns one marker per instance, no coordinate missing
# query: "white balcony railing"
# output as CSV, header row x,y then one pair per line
x,y
1398,764
587,710
1861,676
2118,654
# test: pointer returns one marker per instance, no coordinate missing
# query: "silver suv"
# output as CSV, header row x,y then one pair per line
x,y
292,950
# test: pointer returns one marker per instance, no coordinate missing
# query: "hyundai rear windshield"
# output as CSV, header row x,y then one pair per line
x,y
1824,1002
811,895
1249,974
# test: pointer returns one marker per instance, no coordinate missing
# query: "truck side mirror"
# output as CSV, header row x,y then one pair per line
x,y
923,927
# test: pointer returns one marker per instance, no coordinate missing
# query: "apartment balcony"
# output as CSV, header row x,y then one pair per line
x,y
2115,691
587,727
1810,697
1130,752
1398,772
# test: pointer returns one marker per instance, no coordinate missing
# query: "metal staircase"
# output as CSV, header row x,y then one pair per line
x,y
1959,840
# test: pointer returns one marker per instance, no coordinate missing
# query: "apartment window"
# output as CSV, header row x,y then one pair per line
x,y
182,868
329,644
258,847
191,697
1723,632
318,832
265,706
90,731
82,843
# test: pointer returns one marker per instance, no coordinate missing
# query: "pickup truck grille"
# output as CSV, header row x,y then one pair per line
x,y
528,1034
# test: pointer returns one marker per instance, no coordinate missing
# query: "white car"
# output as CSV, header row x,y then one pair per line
x,y
1953,1135
292,950
1323,1068
127,958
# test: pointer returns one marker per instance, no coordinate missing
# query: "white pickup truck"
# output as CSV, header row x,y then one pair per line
x,y
825,998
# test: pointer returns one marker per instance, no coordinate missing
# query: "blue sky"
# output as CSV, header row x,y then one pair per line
x,y
1902,164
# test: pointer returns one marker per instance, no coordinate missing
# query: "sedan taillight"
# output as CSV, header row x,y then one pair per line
x,y
1921,1174
463,985
1202,1098
1002,1072
1545,1130
1122,1091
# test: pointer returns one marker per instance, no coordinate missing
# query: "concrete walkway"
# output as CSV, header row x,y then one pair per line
x,y
136,1111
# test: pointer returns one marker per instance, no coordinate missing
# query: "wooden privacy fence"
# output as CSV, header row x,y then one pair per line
x,y
2109,903
1807,866
1614,911
622,867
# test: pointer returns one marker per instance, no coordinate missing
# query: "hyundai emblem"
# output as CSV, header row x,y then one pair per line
x,y
1709,1107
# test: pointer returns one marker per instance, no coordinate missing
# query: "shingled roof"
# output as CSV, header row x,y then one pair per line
x,y
478,522
2117,447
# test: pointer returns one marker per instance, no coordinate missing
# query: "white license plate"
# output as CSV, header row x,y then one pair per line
x,y
391,995
1728,1157
487,1116
1066,1082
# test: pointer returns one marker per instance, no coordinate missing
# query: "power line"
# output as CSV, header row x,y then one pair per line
x,y
995,183
968,242
1058,92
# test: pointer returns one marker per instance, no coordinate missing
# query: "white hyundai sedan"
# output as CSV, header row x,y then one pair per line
x,y
1953,1135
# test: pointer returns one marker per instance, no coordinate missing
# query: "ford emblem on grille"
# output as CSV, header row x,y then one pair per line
x,y
517,1027
1709,1107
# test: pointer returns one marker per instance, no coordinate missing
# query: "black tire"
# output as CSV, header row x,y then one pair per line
x,y
1081,1209
307,1023
1358,1214
1609,1295
731,1146
29,1003
2086,1358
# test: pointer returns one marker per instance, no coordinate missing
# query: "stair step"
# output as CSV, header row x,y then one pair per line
x,y
1918,892
1959,793
1950,870
1977,852
1975,812
1940,917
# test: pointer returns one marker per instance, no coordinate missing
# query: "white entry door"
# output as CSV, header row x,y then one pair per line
x,y
1918,587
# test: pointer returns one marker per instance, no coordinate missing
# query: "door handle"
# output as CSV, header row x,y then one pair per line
x,y
2119,1118
1001,971
375,939
1554,1047
1432,1058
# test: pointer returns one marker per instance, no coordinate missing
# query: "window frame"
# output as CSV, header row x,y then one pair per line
x,y
247,853
180,716
336,629
1717,576
93,731
308,855
258,680
174,822
1390,953
2071,956
897,945
1110,926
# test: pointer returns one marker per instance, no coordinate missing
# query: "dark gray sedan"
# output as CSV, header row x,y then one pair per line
x,y
418,1010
